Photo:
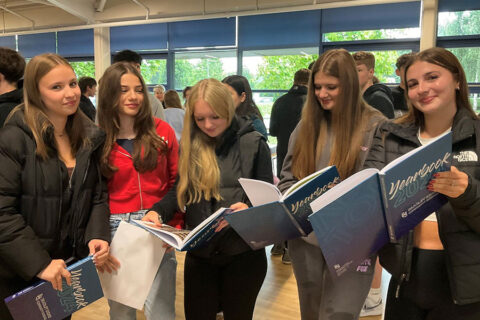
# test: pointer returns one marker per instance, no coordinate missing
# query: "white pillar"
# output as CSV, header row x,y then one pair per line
x,y
428,24
102,50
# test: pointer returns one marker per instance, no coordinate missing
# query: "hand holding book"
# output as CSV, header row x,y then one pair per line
x,y
451,183
54,272
238,206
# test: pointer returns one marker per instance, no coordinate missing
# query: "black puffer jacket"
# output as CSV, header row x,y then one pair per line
x,y
458,220
35,224
241,152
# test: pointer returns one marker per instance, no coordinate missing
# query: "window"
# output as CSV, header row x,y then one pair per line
x,y
154,71
405,33
274,69
84,68
191,67
458,23
470,60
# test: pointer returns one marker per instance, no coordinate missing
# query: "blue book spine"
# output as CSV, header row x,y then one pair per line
x,y
298,204
205,234
41,301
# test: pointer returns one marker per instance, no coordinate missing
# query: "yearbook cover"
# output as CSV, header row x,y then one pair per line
x,y
275,218
357,217
41,301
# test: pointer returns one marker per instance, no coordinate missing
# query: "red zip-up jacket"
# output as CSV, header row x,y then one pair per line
x,y
129,190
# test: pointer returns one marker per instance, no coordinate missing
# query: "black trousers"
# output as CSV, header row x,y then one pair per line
x,y
228,283
427,295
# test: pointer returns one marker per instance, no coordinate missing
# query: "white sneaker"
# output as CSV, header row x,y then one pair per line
x,y
371,308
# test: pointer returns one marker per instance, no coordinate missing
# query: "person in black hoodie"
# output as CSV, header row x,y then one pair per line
x,y
435,267
217,148
53,199
12,66
377,95
88,86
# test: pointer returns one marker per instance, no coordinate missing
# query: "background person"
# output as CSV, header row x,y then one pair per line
x,y
12,66
174,113
88,87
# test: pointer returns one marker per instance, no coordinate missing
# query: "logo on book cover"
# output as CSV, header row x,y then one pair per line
x,y
43,307
72,297
466,156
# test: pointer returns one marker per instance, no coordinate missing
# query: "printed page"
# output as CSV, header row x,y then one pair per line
x,y
170,235
260,192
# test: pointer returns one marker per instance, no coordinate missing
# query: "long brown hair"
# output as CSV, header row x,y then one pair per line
x,y
348,120
147,143
447,60
199,175
172,100
34,108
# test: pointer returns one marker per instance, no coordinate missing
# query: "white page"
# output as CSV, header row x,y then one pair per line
x,y
341,189
140,254
260,192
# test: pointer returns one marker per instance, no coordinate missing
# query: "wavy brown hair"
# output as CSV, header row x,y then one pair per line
x,y
34,108
348,120
199,175
447,60
147,144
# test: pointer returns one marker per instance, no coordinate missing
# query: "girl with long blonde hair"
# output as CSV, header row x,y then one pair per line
x,y
336,128
216,149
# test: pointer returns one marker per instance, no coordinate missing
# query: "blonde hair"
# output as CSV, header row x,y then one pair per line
x,y
34,108
199,175
348,120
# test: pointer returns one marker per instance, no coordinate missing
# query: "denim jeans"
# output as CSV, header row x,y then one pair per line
x,y
160,303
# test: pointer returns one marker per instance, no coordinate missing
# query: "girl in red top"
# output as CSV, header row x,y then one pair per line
x,y
140,160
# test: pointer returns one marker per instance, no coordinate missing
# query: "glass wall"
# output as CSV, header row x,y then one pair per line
x,y
190,67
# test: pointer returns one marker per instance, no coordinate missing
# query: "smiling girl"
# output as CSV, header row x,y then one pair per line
x,y
435,268
53,200
336,128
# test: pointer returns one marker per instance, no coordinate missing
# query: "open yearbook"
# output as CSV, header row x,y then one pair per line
x,y
184,240
41,301
275,218
360,215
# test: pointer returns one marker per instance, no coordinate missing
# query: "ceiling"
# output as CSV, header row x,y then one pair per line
x,y
29,16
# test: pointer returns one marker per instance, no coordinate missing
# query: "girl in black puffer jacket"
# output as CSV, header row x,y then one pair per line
x,y
435,269
52,197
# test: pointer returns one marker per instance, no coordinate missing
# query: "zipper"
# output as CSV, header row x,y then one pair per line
x,y
140,191
397,290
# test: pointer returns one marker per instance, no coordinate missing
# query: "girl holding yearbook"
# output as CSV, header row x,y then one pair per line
x,y
53,200
336,128
140,160
216,149
435,268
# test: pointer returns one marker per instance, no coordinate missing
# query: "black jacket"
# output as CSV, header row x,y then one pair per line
x,y
380,97
87,107
241,152
458,220
286,113
8,101
35,225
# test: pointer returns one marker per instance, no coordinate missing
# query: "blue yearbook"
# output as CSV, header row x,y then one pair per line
x,y
41,301
360,215
275,218
184,240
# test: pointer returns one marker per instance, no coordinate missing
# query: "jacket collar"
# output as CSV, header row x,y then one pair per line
x,y
463,127
238,127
